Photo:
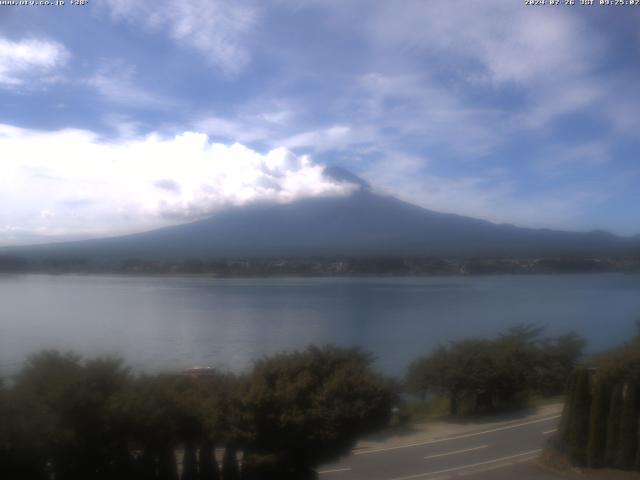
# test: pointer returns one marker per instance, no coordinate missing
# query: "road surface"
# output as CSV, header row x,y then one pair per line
x,y
504,451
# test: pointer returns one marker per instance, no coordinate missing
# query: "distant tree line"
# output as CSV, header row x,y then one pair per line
x,y
327,265
600,424
480,375
65,418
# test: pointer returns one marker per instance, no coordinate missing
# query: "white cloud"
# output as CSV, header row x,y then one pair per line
x,y
553,103
70,182
507,42
123,125
278,128
417,107
216,28
24,60
240,130
570,159
257,120
330,138
115,82
451,57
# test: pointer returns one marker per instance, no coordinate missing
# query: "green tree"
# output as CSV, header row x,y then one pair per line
x,y
38,398
466,372
64,408
310,407
517,356
438,372
19,457
23,449
557,358
485,374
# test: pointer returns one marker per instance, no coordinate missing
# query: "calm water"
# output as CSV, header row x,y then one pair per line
x,y
180,322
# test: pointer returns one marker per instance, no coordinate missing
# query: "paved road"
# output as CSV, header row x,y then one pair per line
x,y
501,452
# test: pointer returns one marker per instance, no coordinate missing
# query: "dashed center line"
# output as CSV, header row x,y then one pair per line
x,y
335,470
468,435
547,432
471,465
456,451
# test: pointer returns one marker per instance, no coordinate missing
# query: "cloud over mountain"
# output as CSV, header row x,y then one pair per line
x,y
72,181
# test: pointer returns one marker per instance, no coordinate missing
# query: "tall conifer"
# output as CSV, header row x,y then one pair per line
x,y
628,440
579,419
598,424
613,425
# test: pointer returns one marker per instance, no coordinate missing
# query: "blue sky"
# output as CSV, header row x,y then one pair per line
x,y
125,115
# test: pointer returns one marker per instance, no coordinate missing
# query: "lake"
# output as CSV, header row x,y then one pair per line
x,y
175,322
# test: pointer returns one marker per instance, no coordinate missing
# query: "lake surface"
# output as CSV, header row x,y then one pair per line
x,y
166,323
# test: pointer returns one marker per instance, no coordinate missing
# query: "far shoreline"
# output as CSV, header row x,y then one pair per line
x,y
323,267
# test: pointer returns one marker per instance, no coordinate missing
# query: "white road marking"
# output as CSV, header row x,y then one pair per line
x,y
471,465
468,435
497,466
547,432
335,470
456,451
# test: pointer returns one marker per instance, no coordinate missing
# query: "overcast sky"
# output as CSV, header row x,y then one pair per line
x,y
124,115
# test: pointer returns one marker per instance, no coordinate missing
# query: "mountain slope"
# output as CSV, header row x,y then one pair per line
x,y
361,224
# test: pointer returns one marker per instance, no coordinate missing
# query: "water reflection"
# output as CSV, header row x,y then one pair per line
x,y
165,322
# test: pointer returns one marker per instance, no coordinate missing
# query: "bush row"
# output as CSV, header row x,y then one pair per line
x,y
66,418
